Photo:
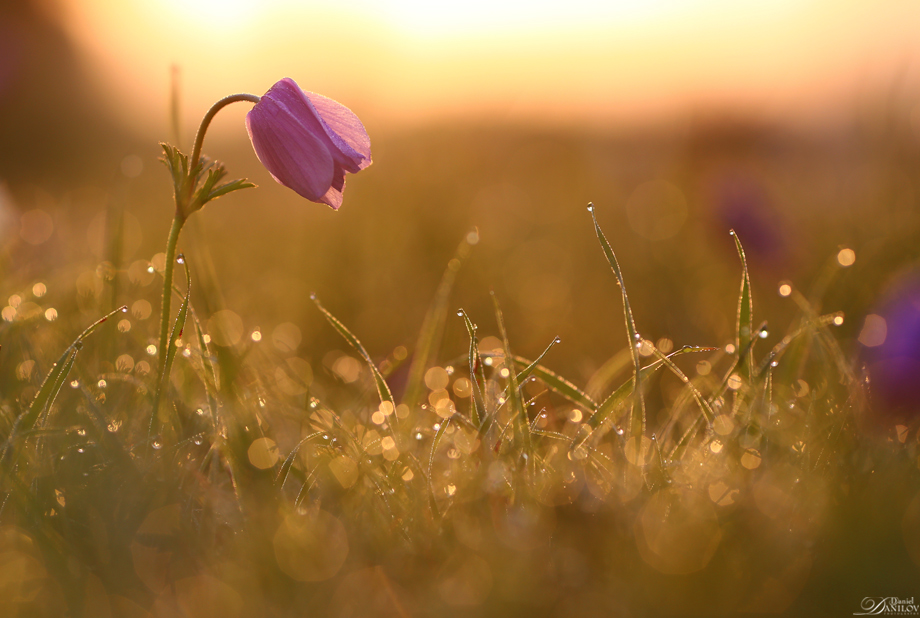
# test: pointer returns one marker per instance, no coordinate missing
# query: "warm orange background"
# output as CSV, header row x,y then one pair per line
x,y
556,62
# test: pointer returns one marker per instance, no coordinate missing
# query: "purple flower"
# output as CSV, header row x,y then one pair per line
x,y
307,141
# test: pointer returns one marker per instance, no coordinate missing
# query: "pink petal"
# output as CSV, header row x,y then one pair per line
x,y
290,149
345,125
352,159
335,193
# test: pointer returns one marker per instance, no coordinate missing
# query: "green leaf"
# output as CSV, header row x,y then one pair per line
x,y
49,389
477,410
557,384
618,396
382,389
744,324
705,408
429,338
637,420
522,425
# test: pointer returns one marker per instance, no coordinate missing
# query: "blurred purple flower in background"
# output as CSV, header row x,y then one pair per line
x,y
742,203
891,337
307,141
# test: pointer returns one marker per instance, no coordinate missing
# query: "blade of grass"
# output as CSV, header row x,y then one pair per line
x,y
738,359
429,338
522,426
383,390
477,411
170,352
705,408
745,321
557,383
50,387
637,419
617,397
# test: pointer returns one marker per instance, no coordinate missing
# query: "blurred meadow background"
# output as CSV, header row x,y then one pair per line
x,y
795,123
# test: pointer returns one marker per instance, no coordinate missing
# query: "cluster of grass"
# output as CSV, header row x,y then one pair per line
x,y
421,484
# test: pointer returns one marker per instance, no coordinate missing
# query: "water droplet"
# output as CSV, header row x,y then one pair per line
x,y
101,384
557,340
124,308
437,426
460,313
418,436
199,412
637,336
80,450
150,268
764,334
774,363
81,432
197,440
619,431
156,444
731,232
180,259
590,207
312,295
74,383
313,404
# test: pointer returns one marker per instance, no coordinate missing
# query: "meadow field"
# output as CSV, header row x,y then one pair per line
x,y
526,370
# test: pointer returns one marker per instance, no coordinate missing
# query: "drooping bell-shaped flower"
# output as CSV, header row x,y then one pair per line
x,y
307,141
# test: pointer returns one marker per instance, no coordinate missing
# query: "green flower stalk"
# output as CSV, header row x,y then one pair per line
x,y
306,141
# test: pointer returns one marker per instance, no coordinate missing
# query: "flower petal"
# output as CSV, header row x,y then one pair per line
x,y
334,195
286,92
289,148
344,125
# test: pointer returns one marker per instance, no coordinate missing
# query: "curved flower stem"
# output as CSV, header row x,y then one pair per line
x,y
182,202
199,137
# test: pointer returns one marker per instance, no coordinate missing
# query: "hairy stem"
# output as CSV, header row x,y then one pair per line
x,y
171,243
202,129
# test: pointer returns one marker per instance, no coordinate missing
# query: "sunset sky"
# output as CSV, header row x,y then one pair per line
x,y
570,63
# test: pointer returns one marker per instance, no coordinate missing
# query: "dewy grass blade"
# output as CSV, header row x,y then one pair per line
x,y
51,386
517,406
637,419
703,404
731,370
602,411
170,352
477,410
383,390
745,322
557,384
429,338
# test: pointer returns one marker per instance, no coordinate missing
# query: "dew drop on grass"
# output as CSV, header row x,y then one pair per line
x,y
75,384
590,207
81,431
150,268
199,412
196,440
557,340
437,426
764,334
156,443
418,436
619,431
313,404
80,450
460,313
101,384
151,350
180,259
